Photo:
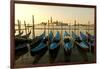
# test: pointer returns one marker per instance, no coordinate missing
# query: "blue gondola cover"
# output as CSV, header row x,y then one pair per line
x,y
51,36
83,36
68,45
41,46
53,46
83,45
57,36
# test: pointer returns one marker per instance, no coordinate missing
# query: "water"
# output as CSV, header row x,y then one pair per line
x,y
39,29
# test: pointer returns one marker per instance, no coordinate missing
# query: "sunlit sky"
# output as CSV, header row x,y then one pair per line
x,y
42,13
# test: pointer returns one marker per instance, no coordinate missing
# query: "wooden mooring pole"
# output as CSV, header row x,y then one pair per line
x,y
28,28
48,28
33,26
25,27
69,28
78,29
75,25
89,32
19,26
45,29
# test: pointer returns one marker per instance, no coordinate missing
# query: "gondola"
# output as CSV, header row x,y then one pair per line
x,y
75,37
20,50
22,39
21,45
50,37
19,41
67,44
81,45
40,49
57,37
65,34
83,37
36,41
54,46
91,37
91,41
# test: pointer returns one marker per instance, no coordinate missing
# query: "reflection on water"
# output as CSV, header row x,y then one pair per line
x,y
40,29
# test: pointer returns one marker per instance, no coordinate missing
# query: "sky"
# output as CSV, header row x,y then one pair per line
x,y
43,13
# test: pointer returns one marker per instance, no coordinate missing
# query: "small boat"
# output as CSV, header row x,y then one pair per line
x,y
22,39
91,37
19,41
53,51
20,50
55,42
57,37
83,36
91,41
40,49
82,45
65,34
50,37
75,37
54,46
67,44
36,41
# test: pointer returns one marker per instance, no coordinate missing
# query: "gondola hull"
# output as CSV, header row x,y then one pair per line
x,y
92,47
20,50
53,51
82,48
39,52
41,48
67,50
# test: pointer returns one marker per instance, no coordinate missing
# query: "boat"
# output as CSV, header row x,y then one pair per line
x,y
40,49
67,44
91,41
57,37
54,46
23,39
50,37
83,37
90,37
20,50
55,42
65,34
81,45
19,41
36,41
75,37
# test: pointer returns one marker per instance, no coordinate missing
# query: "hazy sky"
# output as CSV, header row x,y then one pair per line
x,y
42,13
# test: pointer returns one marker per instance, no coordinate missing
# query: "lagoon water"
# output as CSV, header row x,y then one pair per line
x,y
39,29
